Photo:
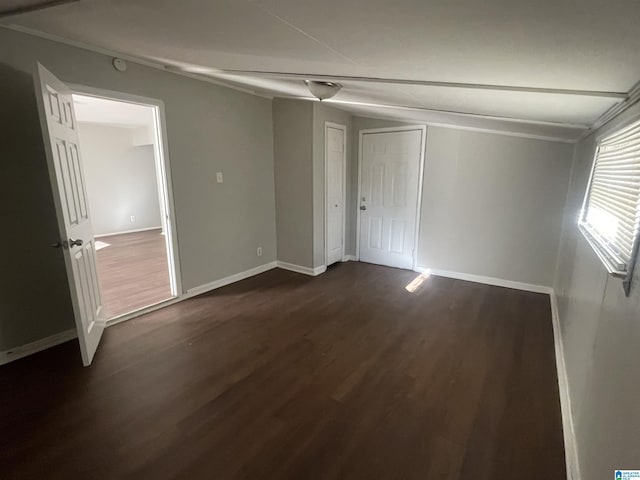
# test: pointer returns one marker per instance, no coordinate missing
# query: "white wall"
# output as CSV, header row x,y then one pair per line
x,y
121,179
601,336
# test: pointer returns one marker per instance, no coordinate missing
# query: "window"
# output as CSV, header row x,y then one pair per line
x,y
610,216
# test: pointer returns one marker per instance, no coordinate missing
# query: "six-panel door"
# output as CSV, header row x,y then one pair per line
x,y
67,177
389,197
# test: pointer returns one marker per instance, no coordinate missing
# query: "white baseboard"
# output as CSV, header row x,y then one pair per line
x,y
44,343
300,269
129,231
498,282
349,258
37,346
192,292
570,447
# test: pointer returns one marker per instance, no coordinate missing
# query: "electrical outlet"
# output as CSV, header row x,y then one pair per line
x,y
133,218
219,177
259,251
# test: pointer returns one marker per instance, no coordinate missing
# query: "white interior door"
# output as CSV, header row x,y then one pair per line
x,y
388,203
58,121
335,161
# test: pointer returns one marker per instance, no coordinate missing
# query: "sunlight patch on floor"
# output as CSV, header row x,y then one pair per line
x,y
100,245
417,282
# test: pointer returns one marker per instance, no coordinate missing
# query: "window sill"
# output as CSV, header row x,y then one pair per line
x,y
601,254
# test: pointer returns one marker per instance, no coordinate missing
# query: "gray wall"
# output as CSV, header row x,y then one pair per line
x,y
323,113
298,129
491,204
121,179
211,129
293,164
600,336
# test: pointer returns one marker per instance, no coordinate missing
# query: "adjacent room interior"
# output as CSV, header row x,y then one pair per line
x,y
127,202
296,240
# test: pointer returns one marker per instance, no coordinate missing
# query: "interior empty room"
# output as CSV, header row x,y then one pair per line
x,y
302,240
124,183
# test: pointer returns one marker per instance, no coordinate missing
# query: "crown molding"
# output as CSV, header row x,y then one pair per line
x,y
129,58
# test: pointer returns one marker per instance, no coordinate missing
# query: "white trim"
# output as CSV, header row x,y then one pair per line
x,y
610,130
236,277
144,310
129,58
460,114
570,446
37,346
497,282
349,258
429,83
44,343
163,170
137,230
343,128
584,129
194,292
632,98
423,149
492,131
423,154
314,272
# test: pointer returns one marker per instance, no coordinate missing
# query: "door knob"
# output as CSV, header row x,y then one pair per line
x,y
363,207
75,243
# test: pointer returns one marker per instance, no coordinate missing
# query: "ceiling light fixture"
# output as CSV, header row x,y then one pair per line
x,y
322,90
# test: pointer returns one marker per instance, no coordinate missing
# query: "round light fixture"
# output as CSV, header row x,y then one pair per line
x,y
322,90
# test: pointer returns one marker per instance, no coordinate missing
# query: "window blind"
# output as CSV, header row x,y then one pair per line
x,y
610,217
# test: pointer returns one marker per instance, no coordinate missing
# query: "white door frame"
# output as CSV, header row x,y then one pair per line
x,y
337,126
361,133
161,154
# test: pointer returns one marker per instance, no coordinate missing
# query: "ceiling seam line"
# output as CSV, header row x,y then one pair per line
x,y
575,126
299,30
429,83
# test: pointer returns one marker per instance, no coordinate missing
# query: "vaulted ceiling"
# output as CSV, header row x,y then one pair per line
x,y
549,68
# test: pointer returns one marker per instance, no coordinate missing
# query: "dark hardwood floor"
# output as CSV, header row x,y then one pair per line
x,y
282,376
133,272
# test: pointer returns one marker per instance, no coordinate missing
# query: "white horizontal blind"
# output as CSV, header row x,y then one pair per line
x,y
611,211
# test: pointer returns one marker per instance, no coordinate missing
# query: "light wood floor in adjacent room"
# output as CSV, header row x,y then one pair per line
x,y
133,271
283,376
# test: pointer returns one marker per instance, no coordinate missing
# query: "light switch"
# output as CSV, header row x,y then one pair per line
x,y
219,178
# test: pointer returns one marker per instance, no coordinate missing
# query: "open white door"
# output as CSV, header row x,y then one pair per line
x,y
58,121
389,192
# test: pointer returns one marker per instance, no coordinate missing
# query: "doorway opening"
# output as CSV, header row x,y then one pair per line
x,y
129,204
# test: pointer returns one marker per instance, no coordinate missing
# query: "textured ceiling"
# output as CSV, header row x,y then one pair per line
x,y
591,45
